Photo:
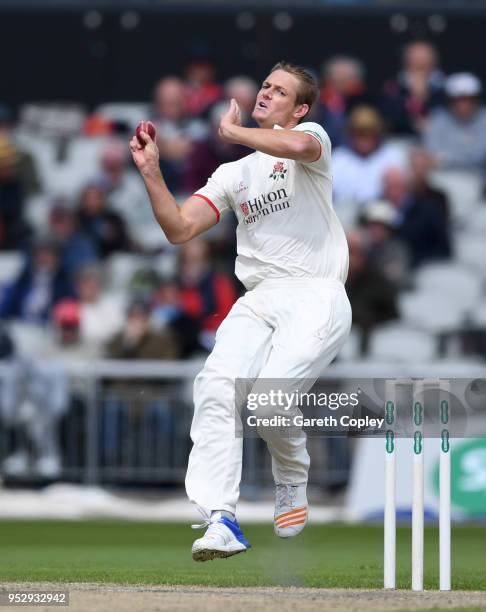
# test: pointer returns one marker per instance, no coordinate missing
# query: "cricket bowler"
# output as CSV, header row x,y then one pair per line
x,y
292,258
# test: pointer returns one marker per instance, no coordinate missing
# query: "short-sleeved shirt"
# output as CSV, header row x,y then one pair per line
x,y
286,223
360,179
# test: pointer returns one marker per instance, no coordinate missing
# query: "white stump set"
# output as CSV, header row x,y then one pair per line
x,y
417,444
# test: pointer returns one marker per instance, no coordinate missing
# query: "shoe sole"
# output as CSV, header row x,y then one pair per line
x,y
208,554
286,536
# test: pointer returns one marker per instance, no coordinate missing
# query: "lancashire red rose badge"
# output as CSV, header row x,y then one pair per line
x,y
279,171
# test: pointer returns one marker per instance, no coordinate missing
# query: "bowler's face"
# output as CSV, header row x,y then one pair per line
x,y
276,101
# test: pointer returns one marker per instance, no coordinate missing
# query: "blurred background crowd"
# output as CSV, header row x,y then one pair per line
x,y
83,258
87,274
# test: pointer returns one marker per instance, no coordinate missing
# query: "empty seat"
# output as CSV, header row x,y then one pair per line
x,y
10,265
432,311
463,189
121,267
165,264
401,343
65,176
29,339
43,150
478,315
451,281
471,251
52,119
404,144
476,224
80,166
37,212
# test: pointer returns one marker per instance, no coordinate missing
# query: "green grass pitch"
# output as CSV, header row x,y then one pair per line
x,y
159,553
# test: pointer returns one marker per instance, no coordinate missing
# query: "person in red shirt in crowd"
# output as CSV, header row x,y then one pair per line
x,y
202,89
206,295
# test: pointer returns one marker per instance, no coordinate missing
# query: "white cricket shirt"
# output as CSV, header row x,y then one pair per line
x,y
286,223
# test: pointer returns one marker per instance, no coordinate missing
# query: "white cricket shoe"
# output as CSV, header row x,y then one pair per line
x,y
222,539
291,509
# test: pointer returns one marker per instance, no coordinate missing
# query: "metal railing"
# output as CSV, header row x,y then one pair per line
x,y
129,422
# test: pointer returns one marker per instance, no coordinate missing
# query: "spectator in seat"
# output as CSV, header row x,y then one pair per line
x,y
126,194
14,230
27,170
105,228
138,407
343,88
416,91
68,343
75,248
244,90
101,315
456,135
209,154
202,89
386,252
35,398
206,295
373,297
168,313
420,221
421,165
137,340
359,166
177,131
38,394
41,284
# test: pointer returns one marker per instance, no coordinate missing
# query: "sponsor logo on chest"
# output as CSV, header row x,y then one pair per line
x,y
265,204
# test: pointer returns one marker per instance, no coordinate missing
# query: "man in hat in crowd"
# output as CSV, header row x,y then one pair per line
x,y
456,135
358,167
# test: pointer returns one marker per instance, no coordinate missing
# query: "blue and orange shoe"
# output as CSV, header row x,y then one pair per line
x,y
223,538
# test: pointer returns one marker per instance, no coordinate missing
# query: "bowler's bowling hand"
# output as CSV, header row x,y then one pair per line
x,y
231,118
146,157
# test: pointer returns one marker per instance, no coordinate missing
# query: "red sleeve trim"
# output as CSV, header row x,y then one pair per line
x,y
213,206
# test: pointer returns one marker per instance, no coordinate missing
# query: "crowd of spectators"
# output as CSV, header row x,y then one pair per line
x,y
403,221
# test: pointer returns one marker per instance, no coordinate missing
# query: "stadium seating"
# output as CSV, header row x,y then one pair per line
x,y
462,188
398,342
430,311
451,281
10,265
126,113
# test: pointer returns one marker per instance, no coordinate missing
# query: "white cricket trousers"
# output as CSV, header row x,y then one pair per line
x,y
283,328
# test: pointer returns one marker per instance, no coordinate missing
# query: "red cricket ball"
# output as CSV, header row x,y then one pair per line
x,y
145,126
